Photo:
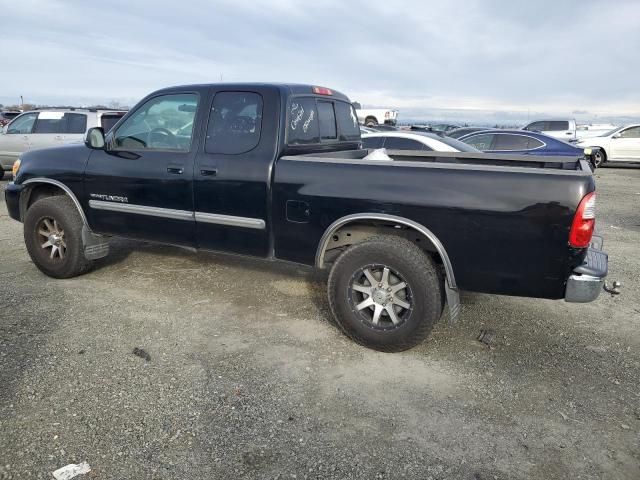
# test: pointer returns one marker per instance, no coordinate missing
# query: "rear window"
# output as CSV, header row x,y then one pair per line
x,y
348,127
311,120
399,143
327,121
372,142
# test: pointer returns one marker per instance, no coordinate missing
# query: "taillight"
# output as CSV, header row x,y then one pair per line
x,y
584,222
322,91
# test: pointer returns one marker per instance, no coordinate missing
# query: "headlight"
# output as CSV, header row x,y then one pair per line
x,y
14,170
587,151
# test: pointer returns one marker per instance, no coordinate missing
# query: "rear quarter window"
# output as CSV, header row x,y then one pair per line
x,y
302,122
557,126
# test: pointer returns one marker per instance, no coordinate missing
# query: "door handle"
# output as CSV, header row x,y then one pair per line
x,y
209,173
58,137
175,170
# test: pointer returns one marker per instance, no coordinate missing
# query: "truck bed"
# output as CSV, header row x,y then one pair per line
x,y
461,158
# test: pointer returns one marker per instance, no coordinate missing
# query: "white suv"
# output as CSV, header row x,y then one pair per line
x,y
48,128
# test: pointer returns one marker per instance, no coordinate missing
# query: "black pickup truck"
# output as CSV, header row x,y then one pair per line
x,y
277,171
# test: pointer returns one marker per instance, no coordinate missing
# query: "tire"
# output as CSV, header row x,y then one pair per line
x,y
599,158
370,122
58,217
407,264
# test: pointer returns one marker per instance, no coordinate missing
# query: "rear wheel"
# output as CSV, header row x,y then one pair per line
x,y
385,293
53,236
371,122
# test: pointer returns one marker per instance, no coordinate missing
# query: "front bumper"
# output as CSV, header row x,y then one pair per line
x,y
586,282
12,199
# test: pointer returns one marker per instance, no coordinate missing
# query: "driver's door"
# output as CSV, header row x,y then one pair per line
x,y
141,185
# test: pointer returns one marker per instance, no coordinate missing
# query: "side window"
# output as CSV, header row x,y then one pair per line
x,y
396,143
76,122
535,127
534,143
22,124
372,142
348,128
161,123
302,122
235,122
50,122
327,120
510,142
633,132
557,126
481,142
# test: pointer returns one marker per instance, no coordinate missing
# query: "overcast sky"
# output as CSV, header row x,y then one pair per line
x,y
464,58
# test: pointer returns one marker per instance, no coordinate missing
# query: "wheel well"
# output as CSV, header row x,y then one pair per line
x,y
38,191
357,232
371,118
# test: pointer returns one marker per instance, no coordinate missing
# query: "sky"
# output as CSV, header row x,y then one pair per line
x,y
488,60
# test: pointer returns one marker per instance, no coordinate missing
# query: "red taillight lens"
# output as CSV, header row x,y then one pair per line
x,y
584,222
322,91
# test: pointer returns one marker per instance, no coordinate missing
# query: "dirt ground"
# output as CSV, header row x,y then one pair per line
x,y
243,375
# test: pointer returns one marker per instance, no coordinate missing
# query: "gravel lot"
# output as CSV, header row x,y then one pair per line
x,y
246,377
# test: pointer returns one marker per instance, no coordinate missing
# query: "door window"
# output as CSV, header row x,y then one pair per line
x,y
161,123
23,124
50,122
505,142
76,123
481,142
557,126
235,123
633,132
396,143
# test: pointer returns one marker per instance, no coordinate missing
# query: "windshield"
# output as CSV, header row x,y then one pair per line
x,y
610,132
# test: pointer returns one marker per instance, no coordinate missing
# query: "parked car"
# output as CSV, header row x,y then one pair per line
x,y
462,131
563,129
520,142
371,117
7,116
414,141
276,171
50,127
622,144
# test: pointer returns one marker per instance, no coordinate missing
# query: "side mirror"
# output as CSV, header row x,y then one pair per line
x,y
94,138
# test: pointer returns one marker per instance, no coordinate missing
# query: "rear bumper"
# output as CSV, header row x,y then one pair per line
x,y
586,282
12,199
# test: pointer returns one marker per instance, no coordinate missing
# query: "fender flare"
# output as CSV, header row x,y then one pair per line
x,y
451,288
66,189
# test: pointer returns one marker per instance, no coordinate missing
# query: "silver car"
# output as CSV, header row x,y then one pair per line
x,y
48,128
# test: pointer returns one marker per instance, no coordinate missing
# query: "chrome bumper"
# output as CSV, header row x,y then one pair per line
x,y
586,282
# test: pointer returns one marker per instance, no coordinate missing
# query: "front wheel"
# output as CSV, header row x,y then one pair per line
x,y
386,293
53,236
599,157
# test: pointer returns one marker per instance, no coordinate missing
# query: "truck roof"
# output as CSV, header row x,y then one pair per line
x,y
287,88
